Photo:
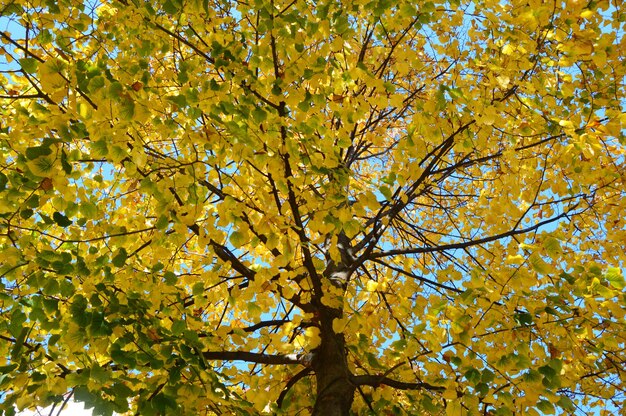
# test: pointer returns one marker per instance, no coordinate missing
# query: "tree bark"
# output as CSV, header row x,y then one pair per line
x,y
335,392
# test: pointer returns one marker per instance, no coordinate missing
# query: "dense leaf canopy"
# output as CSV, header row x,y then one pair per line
x,y
297,206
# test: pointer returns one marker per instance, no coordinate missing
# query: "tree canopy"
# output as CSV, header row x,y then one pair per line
x,y
330,207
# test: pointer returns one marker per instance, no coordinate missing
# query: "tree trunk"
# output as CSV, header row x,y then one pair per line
x,y
335,393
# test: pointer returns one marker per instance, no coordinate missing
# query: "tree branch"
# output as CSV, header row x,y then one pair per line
x,y
418,278
470,243
377,380
263,324
391,210
290,384
252,357
176,36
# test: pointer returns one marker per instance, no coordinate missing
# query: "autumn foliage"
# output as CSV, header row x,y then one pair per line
x,y
294,207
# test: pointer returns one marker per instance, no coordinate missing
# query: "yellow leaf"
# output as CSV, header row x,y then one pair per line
x,y
450,394
339,325
313,337
508,49
371,286
10,255
552,246
43,166
538,264
587,14
238,238
503,81
518,259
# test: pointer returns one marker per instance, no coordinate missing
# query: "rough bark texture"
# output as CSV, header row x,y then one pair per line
x,y
335,392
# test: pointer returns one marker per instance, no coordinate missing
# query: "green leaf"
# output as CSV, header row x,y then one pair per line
x,y
482,389
487,376
2,378
82,394
455,93
32,202
97,325
62,267
342,24
568,277
523,318
197,288
538,264
120,390
78,310
532,376
440,96
51,305
161,222
127,110
566,404
191,336
259,115
472,375
386,192
17,320
95,84
550,377
88,209
429,405
118,154
237,238
546,407
399,345
179,100
120,258
29,65
6,369
61,219
170,7
3,181
98,374
390,179
123,357
99,148
615,278
162,403
595,270
33,153
67,167
372,360
12,9
19,343
66,288
183,75
115,90
254,310
178,327
551,311
170,278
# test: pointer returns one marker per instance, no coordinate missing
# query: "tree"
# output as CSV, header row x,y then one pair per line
x,y
293,207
